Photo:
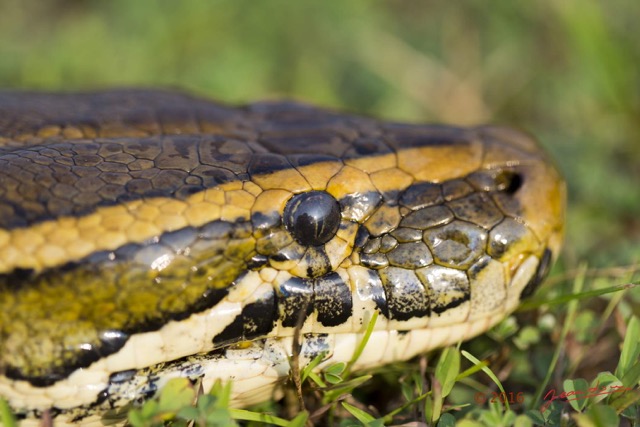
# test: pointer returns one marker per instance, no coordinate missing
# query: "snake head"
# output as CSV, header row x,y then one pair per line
x,y
441,226
139,229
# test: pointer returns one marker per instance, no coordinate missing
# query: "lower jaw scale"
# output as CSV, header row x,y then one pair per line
x,y
259,367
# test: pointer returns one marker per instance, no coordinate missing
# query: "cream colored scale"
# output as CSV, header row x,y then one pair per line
x,y
256,370
438,268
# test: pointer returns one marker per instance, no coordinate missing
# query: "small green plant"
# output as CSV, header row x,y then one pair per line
x,y
6,416
180,404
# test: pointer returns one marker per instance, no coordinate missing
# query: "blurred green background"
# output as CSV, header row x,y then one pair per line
x,y
565,70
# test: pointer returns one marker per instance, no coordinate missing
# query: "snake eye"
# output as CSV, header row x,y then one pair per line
x,y
312,218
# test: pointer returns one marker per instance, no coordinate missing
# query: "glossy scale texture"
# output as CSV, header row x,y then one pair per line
x,y
149,234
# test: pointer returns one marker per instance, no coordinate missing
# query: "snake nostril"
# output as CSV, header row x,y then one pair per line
x,y
506,181
509,182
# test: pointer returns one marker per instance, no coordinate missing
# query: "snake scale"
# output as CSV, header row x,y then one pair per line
x,y
146,235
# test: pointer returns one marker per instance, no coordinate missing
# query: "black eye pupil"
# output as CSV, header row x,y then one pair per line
x,y
312,218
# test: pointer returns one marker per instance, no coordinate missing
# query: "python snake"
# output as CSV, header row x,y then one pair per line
x,y
146,235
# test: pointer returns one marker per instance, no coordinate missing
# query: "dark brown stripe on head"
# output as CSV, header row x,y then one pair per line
x,y
295,301
332,300
405,294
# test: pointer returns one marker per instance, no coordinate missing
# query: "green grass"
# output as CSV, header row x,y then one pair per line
x,y
566,71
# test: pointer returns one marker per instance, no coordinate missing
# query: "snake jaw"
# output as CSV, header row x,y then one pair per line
x,y
147,250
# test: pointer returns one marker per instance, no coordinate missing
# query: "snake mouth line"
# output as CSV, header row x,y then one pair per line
x,y
440,242
146,235
260,363
331,303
